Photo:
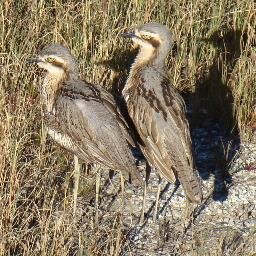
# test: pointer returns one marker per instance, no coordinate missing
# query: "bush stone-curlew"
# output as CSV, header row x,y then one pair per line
x,y
81,117
158,111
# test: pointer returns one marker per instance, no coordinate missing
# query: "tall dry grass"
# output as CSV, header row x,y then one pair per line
x,y
214,60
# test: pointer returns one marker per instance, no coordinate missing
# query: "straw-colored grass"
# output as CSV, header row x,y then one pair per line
x,y
214,59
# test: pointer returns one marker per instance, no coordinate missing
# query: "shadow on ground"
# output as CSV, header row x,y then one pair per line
x,y
214,129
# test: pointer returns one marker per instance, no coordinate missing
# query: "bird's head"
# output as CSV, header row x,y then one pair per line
x,y
56,60
153,39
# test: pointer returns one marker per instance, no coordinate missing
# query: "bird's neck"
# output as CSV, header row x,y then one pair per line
x,y
146,59
51,84
150,56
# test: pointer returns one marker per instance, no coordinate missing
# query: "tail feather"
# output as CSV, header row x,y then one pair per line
x,y
191,184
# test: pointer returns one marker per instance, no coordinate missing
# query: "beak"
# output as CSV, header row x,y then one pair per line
x,y
129,35
33,60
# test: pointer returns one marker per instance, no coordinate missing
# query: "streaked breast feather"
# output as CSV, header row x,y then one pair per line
x,y
62,139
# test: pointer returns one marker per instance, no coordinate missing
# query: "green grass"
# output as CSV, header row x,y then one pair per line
x,y
214,61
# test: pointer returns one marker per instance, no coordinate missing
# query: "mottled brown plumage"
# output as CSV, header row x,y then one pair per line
x,y
82,117
158,111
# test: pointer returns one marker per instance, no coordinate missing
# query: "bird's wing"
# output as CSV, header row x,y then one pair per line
x,y
175,106
165,131
91,126
110,103
178,142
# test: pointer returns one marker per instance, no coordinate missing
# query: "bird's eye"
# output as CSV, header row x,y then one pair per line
x,y
50,59
146,37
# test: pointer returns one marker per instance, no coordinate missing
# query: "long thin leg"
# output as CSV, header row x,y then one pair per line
x,y
148,170
122,189
76,176
157,198
97,191
143,203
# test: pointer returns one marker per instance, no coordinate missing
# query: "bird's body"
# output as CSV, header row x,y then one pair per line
x,y
82,117
158,111
88,126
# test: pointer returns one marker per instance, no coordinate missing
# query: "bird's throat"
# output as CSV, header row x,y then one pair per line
x,y
50,86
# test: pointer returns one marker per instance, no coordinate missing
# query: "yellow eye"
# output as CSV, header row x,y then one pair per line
x,y
50,59
146,36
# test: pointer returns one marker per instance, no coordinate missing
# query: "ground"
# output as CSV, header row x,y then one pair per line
x,y
224,224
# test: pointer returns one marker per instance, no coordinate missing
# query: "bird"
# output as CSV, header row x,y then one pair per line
x,y
158,110
83,118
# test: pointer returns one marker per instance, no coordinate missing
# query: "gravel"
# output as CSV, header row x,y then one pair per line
x,y
224,224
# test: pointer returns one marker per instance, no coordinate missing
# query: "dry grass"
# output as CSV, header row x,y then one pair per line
x,y
214,60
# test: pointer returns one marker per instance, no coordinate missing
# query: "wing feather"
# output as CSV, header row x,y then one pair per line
x,y
165,131
89,118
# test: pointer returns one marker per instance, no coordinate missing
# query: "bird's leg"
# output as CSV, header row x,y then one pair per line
x,y
148,170
76,176
143,203
157,198
122,189
97,191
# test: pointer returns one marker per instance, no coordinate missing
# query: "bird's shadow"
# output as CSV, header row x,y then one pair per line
x,y
213,127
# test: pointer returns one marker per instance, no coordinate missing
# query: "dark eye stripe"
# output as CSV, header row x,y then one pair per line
x,y
155,43
55,62
58,64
